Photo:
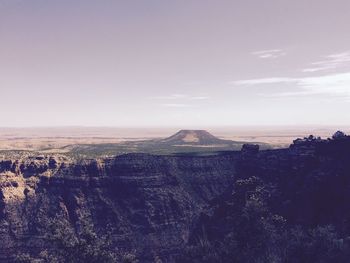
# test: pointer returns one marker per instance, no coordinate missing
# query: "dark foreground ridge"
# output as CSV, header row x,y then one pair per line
x,y
167,208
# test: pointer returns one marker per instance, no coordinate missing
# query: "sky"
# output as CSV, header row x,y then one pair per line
x,y
185,63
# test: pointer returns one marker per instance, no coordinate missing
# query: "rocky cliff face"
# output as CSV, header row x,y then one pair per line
x,y
286,205
141,201
153,203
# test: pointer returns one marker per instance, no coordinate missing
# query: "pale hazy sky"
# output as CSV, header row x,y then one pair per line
x,y
174,62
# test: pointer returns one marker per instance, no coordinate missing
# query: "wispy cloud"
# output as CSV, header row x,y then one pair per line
x,y
176,105
331,84
199,98
177,100
181,97
263,81
269,54
330,62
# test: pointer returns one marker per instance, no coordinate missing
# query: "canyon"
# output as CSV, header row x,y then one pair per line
x,y
152,204
142,201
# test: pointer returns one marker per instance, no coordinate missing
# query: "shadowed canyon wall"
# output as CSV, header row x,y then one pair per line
x,y
141,201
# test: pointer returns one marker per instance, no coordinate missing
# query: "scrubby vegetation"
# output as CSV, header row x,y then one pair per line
x,y
84,247
244,228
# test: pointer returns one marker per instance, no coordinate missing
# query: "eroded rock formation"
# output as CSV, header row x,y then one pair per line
x,y
142,201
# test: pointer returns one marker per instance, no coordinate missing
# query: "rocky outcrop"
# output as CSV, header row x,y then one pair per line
x,y
312,176
287,205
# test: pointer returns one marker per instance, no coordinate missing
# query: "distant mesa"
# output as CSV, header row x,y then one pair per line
x,y
197,142
198,137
